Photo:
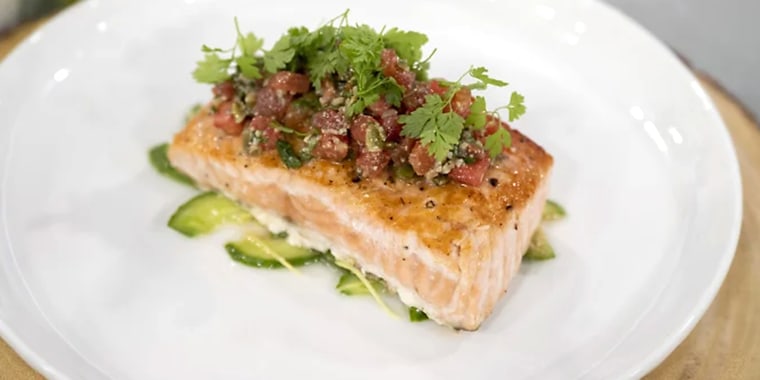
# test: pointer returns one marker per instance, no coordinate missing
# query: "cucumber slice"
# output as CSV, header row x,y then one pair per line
x,y
539,248
553,211
263,252
417,315
160,162
351,285
207,211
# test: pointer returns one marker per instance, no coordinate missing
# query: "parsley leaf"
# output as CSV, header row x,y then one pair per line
x,y
516,107
484,80
362,47
477,117
408,45
324,64
280,55
247,65
212,69
208,49
496,142
439,131
248,43
443,138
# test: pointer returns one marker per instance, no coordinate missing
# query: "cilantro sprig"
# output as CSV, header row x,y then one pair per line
x,y
439,131
346,52
440,128
215,69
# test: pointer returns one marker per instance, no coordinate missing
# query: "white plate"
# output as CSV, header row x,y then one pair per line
x,y
94,285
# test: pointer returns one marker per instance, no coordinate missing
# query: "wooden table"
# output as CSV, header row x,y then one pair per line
x,y
726,342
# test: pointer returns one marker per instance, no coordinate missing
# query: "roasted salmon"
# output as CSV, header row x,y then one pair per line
x,y
337,134
449,250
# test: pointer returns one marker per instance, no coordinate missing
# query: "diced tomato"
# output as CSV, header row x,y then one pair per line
x,y
415,97
372,164
359,128
472,174
297,116
330,122
492,124
392,68
379,107
290,82
420,159
462,101
400,153
331,147
225,120
270,102
436,88
389,121
224,90
269,134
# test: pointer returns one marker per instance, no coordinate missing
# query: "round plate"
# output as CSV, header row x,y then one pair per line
x,y
95,285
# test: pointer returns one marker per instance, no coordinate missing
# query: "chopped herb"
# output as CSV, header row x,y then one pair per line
x,y
285,129
403,171
288,155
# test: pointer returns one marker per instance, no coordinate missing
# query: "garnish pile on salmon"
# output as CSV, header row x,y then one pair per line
x,y
337,133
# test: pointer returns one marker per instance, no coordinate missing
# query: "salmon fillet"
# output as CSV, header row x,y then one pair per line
x,y
448,250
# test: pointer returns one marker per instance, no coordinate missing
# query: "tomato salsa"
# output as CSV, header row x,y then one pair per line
x,y
350,93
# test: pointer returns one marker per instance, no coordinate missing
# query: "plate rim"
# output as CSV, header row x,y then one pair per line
x,y
698,310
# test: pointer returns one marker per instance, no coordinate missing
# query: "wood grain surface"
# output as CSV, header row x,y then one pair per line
x,y
724,345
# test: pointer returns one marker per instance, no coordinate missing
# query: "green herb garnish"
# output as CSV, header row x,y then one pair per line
x,y
441,129
341,51
350,57
288,155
